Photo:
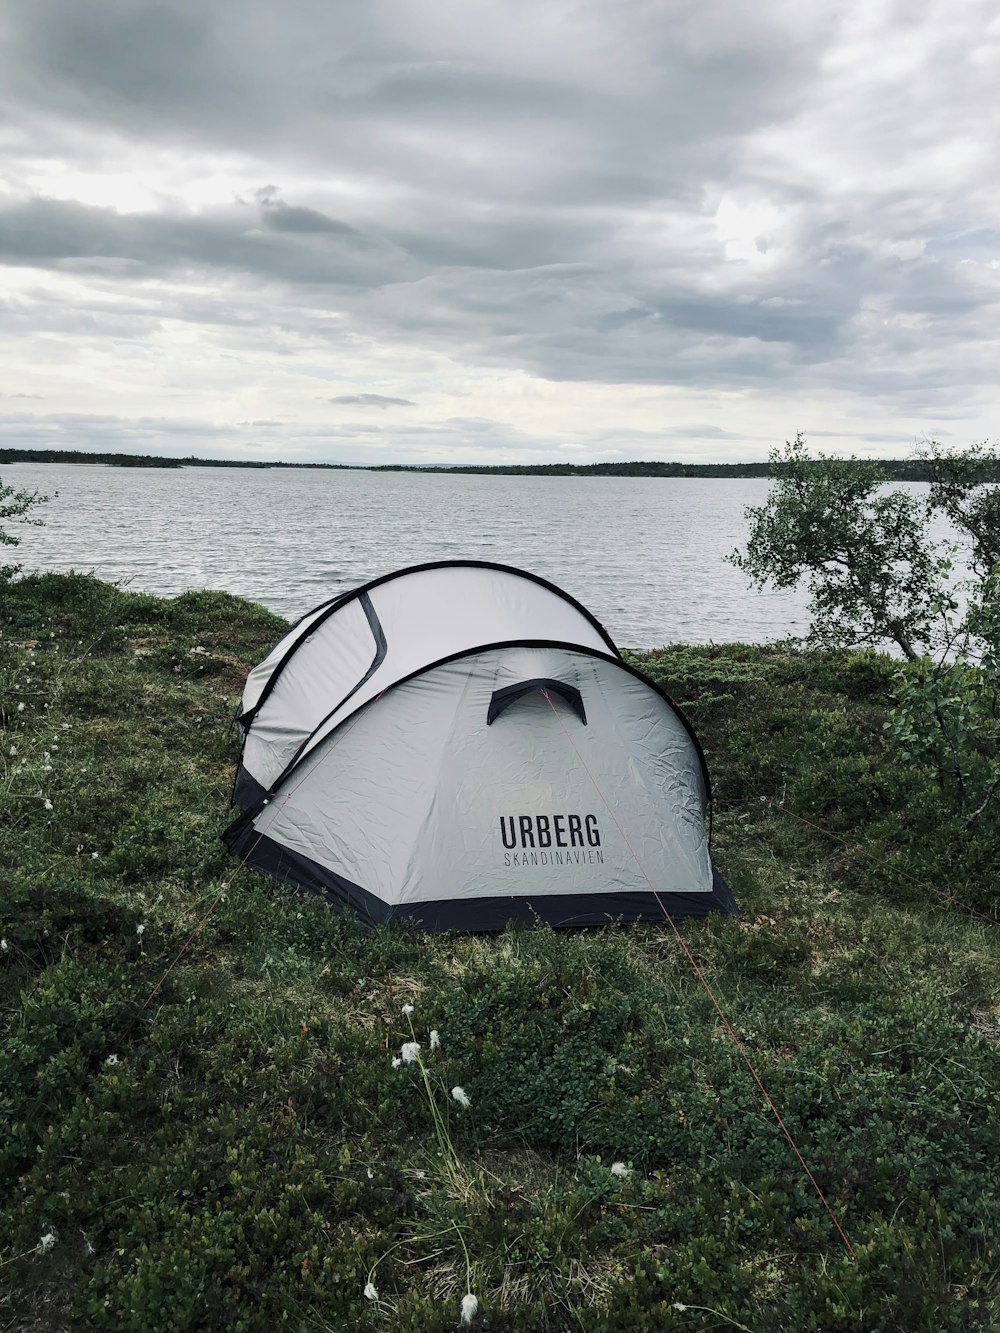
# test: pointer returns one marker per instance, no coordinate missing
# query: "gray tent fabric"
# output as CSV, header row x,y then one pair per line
x,y
461,744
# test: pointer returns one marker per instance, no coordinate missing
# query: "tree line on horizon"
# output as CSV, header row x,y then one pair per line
x,y
895,469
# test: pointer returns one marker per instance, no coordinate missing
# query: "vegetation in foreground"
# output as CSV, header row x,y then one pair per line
x,y
218,1138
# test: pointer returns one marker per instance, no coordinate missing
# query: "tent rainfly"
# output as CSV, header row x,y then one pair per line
x,y
462,744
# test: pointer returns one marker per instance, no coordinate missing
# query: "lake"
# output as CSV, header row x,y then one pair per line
x,y
645,555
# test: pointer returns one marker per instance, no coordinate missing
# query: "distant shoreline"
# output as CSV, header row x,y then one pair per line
x,y
896,469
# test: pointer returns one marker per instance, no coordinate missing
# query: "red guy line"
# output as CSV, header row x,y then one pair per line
x,y
708,989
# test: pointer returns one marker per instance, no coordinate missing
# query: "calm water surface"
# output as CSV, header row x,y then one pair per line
x,y
645,555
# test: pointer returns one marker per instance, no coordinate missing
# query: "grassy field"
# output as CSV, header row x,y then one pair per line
x,y
218,1138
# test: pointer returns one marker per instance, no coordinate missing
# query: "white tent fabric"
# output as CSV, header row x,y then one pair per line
x,y
462,745
396,626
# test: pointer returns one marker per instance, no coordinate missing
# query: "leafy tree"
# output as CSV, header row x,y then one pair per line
x,y
17,506
958,490
877,576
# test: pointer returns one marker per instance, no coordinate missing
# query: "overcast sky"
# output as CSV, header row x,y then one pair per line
x,y
453,230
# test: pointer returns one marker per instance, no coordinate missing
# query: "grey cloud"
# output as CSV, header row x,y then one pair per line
x,y
187,61
50,233
370,400
279,216
701,432
815,327
562,323
283,217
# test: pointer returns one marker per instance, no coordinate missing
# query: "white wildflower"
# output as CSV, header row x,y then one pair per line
x,y
620,1169
94,855
371,1292
470,1308
4,946
679,1306
20,708
46,768
79,848
435,1040
65,727
370,1173
140,928
462,1097
48,804
12,751
407,1009
47,1242
396,1062
111,1060
410,1051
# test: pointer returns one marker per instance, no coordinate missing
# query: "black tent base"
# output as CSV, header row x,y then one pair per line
x,y
471,914
248,794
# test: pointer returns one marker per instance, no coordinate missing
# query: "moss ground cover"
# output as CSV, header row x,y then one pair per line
x,y
241,1152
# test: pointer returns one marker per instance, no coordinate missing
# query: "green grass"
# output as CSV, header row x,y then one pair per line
x,y
240,1153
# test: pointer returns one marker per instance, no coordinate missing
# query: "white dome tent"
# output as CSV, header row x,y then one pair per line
x,y
461,744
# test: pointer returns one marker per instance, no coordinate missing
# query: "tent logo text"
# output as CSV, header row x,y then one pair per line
x,y
543,831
